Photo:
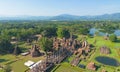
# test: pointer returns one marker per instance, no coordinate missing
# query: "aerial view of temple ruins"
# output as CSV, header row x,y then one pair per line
x,y
60,36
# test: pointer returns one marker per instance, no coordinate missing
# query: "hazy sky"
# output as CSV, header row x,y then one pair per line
x,y
56,7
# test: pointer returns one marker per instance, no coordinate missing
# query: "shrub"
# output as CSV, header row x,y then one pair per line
x,y
113,38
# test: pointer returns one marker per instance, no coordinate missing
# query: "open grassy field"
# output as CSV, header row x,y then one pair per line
x,y
17,62
66,67
114,46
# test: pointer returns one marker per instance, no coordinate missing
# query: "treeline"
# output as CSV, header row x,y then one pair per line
x,y
24,29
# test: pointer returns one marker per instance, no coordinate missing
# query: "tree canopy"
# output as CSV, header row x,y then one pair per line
x,y
113,38
61,32
46,44
5,46
49,32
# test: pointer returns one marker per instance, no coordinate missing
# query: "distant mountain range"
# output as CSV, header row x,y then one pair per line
x,y
66,17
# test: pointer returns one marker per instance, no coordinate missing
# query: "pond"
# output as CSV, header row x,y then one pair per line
x,y
82,66
93,30
107,61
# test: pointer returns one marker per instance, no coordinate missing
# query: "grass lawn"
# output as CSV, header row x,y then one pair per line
x,y
66,67
1,71
17,62
101,42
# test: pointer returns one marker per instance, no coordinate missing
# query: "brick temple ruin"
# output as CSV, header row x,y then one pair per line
x,y
62,48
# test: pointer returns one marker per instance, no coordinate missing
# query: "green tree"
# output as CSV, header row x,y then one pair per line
x,y
46,44
107,28
5,46
113,38
49,32
84,31
61,32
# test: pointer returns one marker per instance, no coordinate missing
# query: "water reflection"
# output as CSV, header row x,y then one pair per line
x,y
93,30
